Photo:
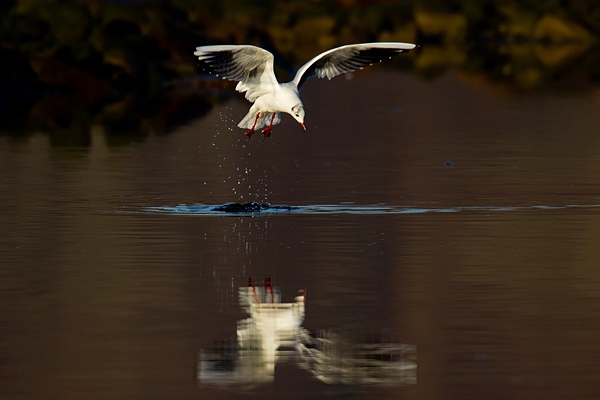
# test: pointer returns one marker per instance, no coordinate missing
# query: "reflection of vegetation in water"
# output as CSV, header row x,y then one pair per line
x,y
84,62
523,44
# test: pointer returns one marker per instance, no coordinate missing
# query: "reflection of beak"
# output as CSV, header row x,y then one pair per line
x,y
302,125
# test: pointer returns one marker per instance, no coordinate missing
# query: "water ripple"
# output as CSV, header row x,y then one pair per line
x,y
253,208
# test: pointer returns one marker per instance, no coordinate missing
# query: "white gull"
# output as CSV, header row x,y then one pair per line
x,y
253,68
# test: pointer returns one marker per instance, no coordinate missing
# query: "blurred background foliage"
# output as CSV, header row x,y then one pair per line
x,y
128,66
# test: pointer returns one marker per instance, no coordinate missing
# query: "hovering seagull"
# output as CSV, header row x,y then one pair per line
x,y
253,68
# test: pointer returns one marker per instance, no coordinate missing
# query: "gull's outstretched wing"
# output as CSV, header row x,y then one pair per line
x,y
250,65
348,58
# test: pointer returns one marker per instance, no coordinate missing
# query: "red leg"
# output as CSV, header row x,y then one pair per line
x,y
251,130
267,131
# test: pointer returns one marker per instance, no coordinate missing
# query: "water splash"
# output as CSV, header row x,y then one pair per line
x,y
240,172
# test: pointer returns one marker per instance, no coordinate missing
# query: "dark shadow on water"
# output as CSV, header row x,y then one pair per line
x,y
250,207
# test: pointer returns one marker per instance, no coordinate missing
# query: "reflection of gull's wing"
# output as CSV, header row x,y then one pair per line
x,y
250,65
348,58
335,359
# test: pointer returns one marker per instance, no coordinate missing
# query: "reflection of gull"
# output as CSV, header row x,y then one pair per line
x,y
273,323
253,68
273,333
272,327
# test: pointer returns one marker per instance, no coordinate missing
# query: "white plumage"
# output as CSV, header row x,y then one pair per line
x,y
252,67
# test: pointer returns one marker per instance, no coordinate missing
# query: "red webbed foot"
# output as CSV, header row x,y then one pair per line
x,y
266,132
251,130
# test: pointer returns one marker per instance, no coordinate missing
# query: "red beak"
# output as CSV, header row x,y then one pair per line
x,y
302,125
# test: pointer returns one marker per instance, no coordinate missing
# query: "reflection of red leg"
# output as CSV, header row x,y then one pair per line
x,y
251,130
269,288
254,296
267,131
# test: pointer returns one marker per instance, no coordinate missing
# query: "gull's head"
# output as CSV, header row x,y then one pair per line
x,y
297,112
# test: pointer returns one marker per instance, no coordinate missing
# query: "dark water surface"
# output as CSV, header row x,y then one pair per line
x,y
454,217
